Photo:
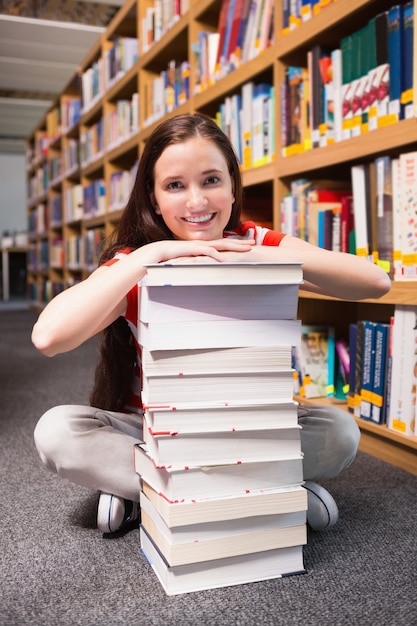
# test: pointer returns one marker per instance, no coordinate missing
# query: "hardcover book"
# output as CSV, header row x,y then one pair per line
x,y
214,448
251,504
180,482
238,570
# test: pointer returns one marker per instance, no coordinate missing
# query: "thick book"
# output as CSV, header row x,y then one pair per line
x,y
187,482
213,448
358,368
251,504
183,545
404,370
188,335
408,181
368,360
316,358
379,379
395,60
279,273
408,62
217,302
360,189
269,358
209,417
384,214
217,388
238,570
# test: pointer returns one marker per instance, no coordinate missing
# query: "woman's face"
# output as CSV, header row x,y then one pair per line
x,y
193,190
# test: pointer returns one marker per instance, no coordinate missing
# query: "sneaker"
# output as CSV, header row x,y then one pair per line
x,y
322,511
115,513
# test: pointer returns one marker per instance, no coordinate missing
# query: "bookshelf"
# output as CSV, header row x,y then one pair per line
x,y
65,240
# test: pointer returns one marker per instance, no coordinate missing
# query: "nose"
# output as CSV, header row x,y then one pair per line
x,y
196,199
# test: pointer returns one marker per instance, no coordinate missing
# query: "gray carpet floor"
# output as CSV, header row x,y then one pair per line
x,y
57,569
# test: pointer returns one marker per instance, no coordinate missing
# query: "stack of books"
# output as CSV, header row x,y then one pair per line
x,y
222,501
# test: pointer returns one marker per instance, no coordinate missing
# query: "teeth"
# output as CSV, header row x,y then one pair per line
x,y
199,219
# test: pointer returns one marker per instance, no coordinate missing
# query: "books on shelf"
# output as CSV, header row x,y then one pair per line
x,y
221,462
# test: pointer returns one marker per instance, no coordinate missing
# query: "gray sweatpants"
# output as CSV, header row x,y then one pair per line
x,y
94,448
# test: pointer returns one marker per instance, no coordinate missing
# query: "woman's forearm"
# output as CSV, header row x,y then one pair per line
x,y
335,274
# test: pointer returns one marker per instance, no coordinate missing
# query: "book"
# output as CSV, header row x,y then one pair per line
x,y
379,382
382,74
217,302
396,219
346,46
360,190
238,570
408,208
384,214
216,388
401,416
215,448
357,365
217,360
203,417
353,338
251,504
184,545
395,60
316,358
260,123
408,60
217,334
161,274
367,372
182,482
347,226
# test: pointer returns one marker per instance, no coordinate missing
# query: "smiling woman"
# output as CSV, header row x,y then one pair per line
x,y
186,203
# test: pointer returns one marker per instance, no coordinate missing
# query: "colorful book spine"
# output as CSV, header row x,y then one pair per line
x,y
395,60
378,396
407,95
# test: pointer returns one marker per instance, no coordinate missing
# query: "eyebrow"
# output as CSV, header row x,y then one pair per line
x,y
181,176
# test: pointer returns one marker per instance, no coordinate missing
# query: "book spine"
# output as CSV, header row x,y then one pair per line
x,y
407,95
395,57
353,337
378,398
368,360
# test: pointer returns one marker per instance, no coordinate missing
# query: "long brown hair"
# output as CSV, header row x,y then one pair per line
x,y
140,225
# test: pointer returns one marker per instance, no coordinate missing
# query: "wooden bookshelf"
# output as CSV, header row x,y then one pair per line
x,y
272,180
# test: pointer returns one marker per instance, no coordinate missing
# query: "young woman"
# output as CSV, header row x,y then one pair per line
x,y
185,204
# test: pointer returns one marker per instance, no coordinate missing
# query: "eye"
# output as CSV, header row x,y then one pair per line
x,y
212,180
174,185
